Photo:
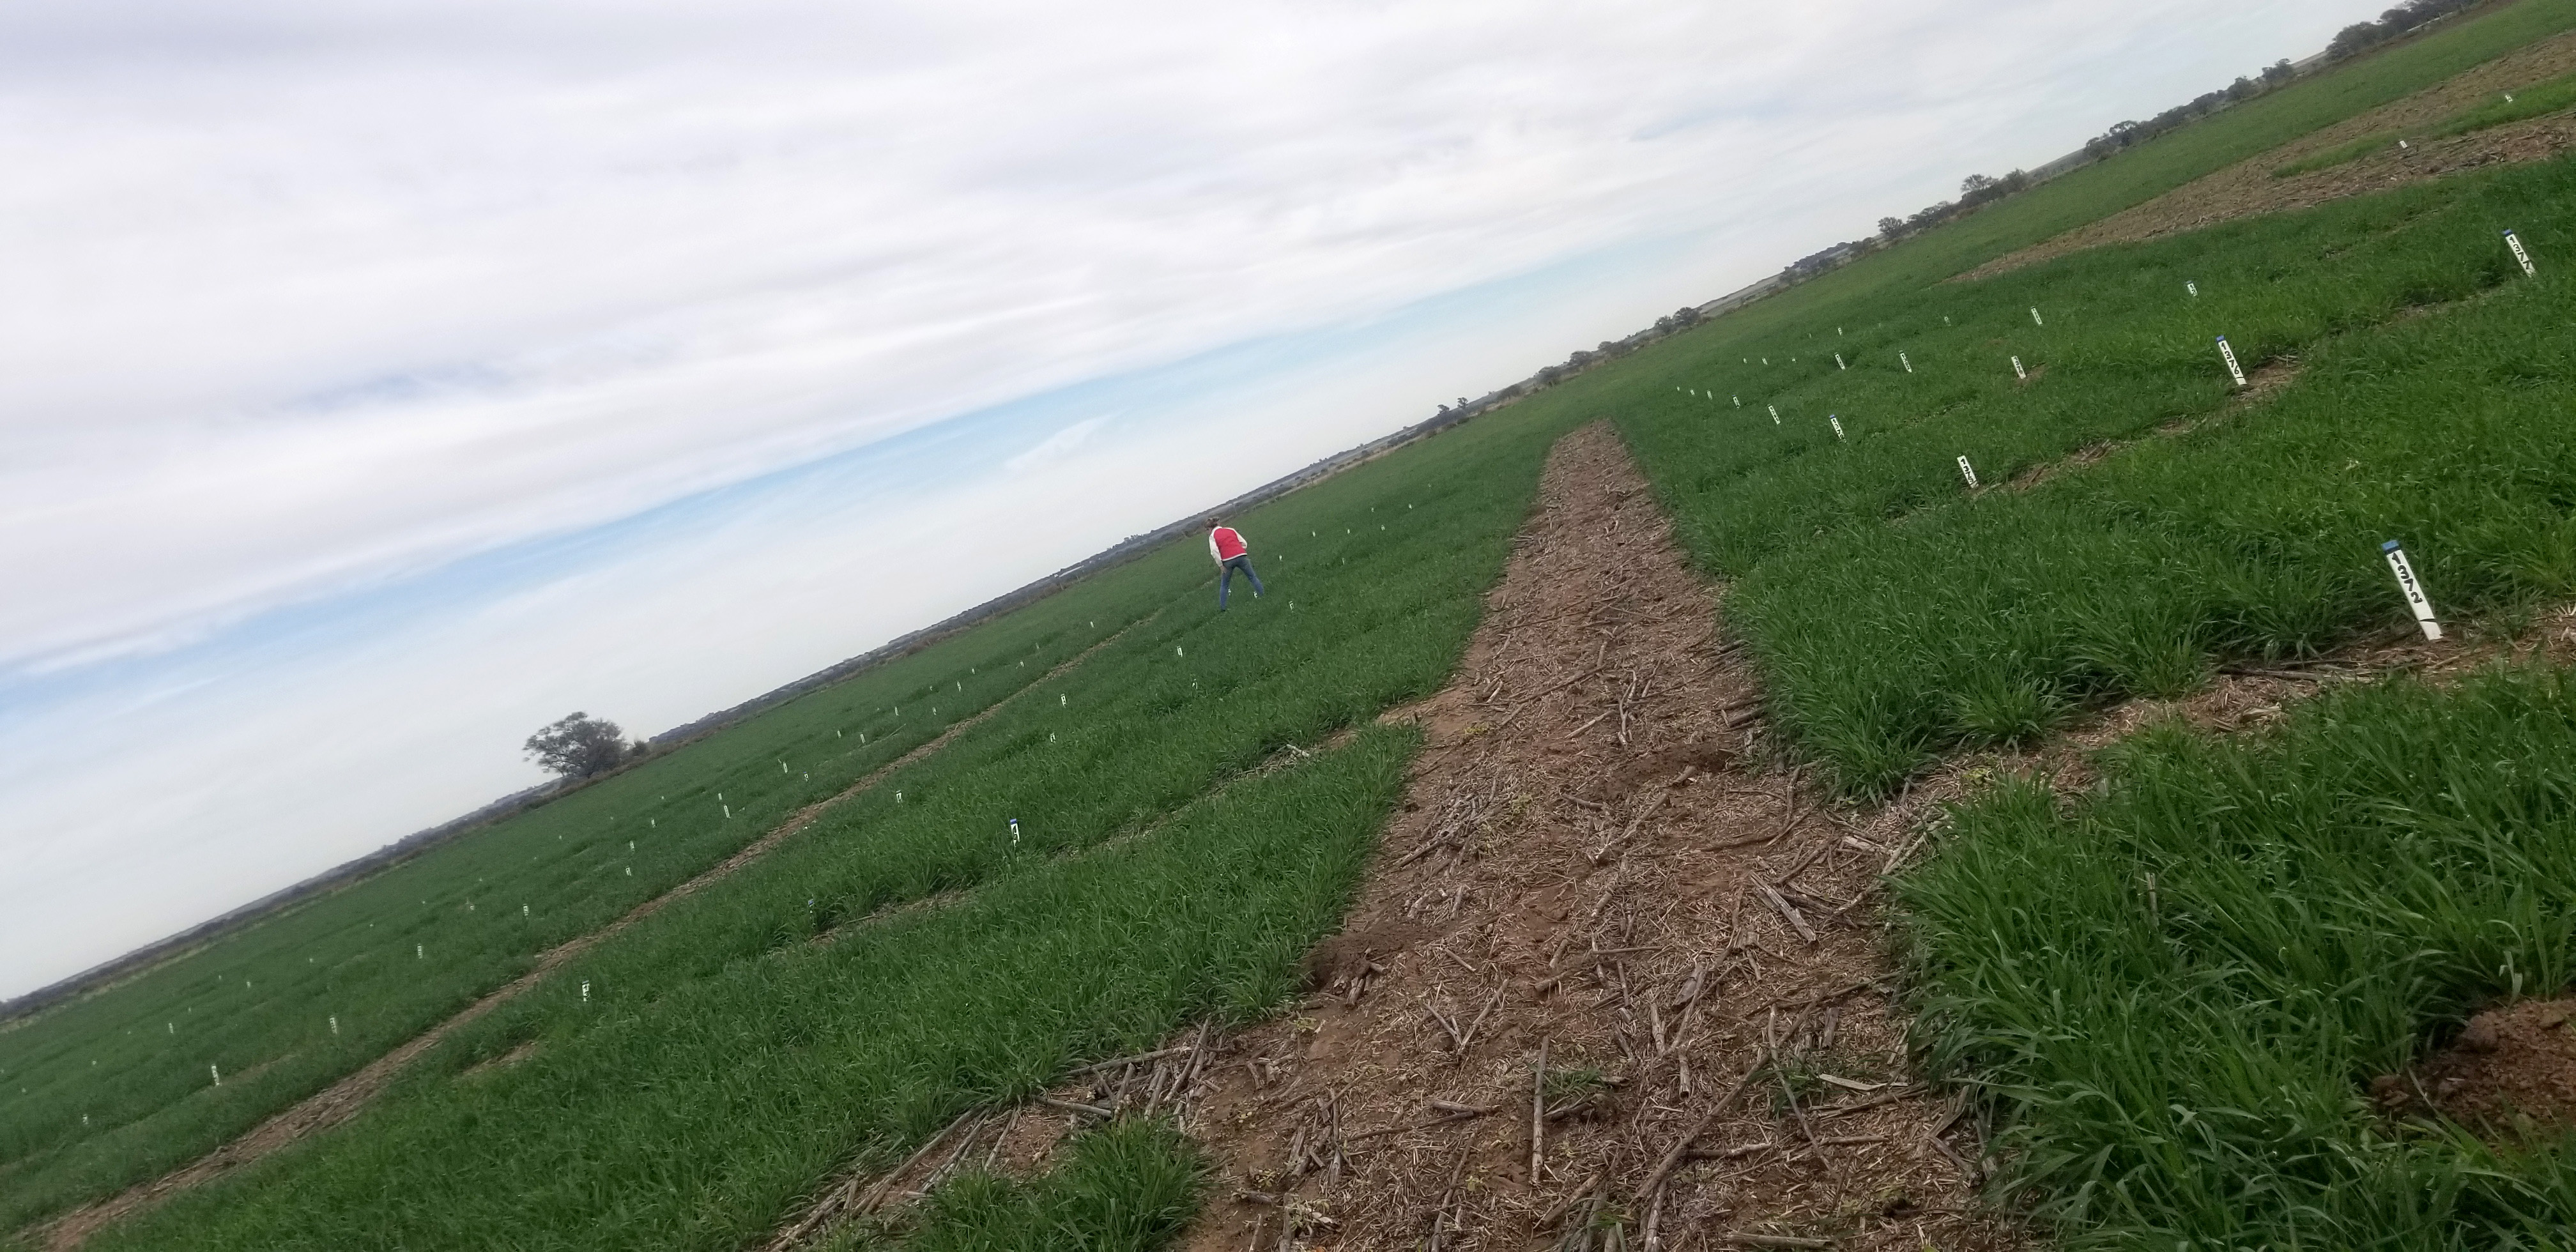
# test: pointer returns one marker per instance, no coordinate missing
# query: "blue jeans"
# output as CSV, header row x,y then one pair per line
x,y
1226,579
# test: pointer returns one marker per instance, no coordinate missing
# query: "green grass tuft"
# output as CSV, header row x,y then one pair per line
x,y
2177,993
1131,1186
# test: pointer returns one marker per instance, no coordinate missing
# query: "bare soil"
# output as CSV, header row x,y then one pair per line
x,y
2511,1068
343,1099
2248,187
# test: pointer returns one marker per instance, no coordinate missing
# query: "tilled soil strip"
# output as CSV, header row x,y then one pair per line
x,y
1610,971
343,1099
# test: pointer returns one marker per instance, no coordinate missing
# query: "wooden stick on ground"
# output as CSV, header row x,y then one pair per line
x,y
1538,1113
1787,910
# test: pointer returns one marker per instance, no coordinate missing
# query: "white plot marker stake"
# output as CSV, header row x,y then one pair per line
x,y
2515,242
2228,354
1837,424
2193,288
214,1073
1838,360
335,1023
1739,402
2034,316
2414,590
1775,413
585,991
1901,360
2019,372
420,952
728,812
1015,832
1968,472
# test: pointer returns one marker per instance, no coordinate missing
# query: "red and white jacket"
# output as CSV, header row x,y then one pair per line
x,y
1225,545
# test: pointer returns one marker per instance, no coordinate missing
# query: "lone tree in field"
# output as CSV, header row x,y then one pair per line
x,y
580,745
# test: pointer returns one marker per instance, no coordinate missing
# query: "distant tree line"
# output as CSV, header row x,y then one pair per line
x,y
2350,41
2362,36
2127,134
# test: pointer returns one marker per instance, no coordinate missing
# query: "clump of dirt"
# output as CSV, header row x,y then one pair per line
x,y
1350,957
2249,188
2510,1065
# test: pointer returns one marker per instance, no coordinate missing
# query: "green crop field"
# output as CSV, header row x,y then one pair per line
x,y
2179,991
690,1080
2165,162
2429,407
1376,579
116,1087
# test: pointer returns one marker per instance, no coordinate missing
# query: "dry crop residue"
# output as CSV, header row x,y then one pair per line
x,y
1591,867
2248,188
342,1100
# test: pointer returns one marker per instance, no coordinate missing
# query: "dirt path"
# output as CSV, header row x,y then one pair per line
x,y
1593,863
343,1099
2248,188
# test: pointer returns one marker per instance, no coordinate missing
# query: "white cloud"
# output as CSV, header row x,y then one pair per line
x,y
308,299
1056,447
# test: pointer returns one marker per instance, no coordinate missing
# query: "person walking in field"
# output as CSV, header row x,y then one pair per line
x,y
1231,554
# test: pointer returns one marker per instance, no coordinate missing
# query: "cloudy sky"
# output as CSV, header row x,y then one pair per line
x,y
379,380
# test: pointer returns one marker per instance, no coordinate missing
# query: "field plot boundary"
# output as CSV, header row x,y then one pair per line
x,y
348,1096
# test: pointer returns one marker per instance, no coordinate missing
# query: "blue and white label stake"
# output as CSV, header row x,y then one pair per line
x,y
2515,243
1015,832
1968,472
2019,372
2414,590
1837,424
2228,354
